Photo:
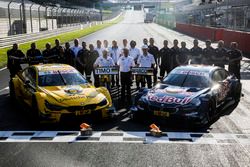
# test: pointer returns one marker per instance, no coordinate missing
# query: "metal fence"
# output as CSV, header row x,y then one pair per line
x,y
19,17
232,14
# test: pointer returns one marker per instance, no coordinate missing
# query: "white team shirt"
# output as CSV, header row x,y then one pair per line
x,y
99,50
102,62
146,61
126,63
115,54
135,53
76,49
108,48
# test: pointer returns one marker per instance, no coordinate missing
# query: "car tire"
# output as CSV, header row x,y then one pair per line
x,y
210,112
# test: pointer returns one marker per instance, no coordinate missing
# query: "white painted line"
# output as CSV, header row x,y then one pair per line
x,y
125,119
124,137
3,68
4,89
111,139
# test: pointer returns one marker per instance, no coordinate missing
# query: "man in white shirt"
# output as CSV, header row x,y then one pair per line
x,y
145,41
104,61
99,48
106,45
76,48
125,43
146,60
115,54
125,64
133,51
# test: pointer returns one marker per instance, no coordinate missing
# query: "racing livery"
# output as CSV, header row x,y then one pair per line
x,y
57,90
194,93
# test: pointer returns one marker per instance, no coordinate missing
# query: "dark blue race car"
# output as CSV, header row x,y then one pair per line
x,y
194,93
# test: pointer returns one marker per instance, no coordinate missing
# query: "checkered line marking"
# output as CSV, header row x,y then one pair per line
x,y
124,137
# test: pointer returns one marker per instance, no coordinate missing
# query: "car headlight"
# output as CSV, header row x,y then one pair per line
x,y
191,114
53,107
103,102
141,105
189,109
196,102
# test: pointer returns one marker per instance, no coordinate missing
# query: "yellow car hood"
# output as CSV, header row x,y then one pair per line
x,y
74,95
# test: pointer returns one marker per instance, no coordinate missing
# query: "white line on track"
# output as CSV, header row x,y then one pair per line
x,y
3,68
4,89
125,137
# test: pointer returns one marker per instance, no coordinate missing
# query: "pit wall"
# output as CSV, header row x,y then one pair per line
x,y
216,34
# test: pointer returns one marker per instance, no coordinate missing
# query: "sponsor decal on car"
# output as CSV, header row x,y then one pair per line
x,y
73,91
179,91
51,72
187,72
169,99
73,98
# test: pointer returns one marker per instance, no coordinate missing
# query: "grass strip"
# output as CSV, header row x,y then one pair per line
x,y
65,37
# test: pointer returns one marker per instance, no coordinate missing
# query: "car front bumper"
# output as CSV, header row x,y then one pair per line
x,y
195,117
57,116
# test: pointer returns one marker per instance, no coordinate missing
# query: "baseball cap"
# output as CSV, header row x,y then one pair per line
x,y
144,47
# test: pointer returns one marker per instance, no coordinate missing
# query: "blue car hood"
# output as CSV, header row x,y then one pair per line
x,y
172,96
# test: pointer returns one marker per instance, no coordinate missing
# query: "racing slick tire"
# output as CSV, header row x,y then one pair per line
x,y
209,114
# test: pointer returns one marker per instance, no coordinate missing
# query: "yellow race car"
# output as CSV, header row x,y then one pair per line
x,y
56,90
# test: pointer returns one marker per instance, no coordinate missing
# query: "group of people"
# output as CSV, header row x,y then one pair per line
x,y
85,60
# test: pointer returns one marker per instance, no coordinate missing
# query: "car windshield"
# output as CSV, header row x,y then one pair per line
x,y
187,80
60,79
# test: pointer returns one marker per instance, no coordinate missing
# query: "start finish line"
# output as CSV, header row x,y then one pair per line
x,y
115,71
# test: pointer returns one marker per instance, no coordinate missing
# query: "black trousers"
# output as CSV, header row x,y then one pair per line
x,y
126,84
115,80
88,72
163,70
235,69
155,74
148,79
14,70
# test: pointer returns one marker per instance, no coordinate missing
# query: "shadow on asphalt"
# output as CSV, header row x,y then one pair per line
x,y
16,118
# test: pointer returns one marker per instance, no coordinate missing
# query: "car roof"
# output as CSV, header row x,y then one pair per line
x,y
201,68
52,67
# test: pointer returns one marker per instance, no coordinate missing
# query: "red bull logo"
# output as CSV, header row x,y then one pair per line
x,y
169,99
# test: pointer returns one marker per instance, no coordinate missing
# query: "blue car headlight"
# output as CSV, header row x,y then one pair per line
x,y
192,114
196,102
141,105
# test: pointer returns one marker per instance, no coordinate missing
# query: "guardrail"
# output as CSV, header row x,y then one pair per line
x,y
8,41
23,38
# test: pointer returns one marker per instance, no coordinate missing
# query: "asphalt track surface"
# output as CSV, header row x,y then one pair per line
x,y
122,142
